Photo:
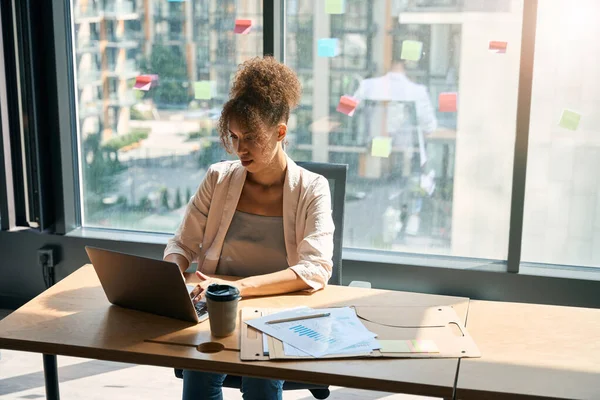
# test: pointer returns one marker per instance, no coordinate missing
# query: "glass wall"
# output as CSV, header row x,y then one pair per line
x,y
151,78
419,98
433,86
562,198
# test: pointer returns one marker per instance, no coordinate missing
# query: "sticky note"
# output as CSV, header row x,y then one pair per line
x,y
242,26
569,120
381,146
335,6
498,47
424,346
347,105
447,102
411,50
328,47
203,90
394,346
143,82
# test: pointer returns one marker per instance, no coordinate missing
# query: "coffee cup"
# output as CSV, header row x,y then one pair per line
x,y
222,302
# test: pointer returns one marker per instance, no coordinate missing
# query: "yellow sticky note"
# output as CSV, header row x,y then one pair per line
x,y
203,90
381,147
394,346
411,50
569,120
335,6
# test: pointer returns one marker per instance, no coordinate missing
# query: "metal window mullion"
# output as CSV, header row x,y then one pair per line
x,y
7,216
11,119
27,88
517,206
279,29
68,204
268,21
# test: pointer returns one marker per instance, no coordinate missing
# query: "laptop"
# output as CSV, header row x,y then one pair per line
x,y
145,284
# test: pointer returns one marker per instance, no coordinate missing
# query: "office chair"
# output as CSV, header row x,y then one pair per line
x,y
336,175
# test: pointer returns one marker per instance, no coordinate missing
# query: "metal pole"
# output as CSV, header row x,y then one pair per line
x,y
51,377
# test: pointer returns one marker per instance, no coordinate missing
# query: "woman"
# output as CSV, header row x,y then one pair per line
x,y
262,218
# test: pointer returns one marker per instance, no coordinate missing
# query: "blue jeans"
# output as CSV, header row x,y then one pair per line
x,y
207,386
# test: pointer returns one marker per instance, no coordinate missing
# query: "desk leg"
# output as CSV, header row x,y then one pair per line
x,y
51,377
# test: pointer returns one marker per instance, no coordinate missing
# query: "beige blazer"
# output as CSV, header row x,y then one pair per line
x,y
307,221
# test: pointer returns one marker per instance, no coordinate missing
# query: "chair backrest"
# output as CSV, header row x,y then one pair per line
x,y
336,175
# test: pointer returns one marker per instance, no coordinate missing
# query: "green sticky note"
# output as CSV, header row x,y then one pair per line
x,y
381,147
411,50
394,346
335,6
569,120
203,90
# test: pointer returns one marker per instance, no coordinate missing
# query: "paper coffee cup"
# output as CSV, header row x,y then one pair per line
x,y
222,302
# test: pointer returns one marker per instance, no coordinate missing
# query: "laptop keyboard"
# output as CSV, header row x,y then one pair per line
x,y
201,310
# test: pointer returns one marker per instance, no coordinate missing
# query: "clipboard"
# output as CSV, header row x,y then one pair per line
x,y
394,325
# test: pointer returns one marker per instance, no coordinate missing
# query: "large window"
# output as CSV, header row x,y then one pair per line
x,y
562,202
430,144
144,150
434,89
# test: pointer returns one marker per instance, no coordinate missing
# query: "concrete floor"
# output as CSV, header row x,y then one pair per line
x,y
22,377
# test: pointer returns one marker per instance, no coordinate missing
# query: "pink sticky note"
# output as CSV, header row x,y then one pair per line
x,y
447,102
347,105
143,82
498,47
242,26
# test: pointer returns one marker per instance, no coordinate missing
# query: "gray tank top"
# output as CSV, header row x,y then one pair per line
x,y
254,245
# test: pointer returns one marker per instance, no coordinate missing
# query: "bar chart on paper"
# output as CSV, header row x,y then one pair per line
x,y
301,330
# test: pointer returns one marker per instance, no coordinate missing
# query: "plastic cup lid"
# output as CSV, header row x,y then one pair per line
x,y
217,292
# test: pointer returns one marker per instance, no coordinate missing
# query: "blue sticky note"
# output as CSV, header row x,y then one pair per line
x,y
328,47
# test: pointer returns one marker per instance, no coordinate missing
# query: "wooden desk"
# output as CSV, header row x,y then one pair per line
x,y
74,318
531,351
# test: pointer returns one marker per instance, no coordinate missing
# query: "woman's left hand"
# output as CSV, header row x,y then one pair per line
x,y
205,282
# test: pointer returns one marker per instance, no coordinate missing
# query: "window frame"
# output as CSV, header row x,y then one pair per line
x,y
68,213
517,205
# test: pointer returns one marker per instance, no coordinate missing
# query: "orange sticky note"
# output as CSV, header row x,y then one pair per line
x,y
498,47
447,102
242,26
144,82
347,105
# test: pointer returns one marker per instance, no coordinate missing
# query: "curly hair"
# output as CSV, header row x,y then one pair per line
x,y
263,93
